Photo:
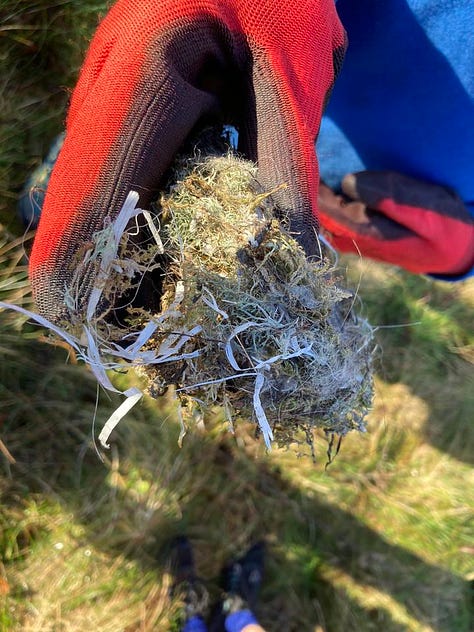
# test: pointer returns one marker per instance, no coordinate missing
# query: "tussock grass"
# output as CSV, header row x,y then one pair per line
x,y
381,540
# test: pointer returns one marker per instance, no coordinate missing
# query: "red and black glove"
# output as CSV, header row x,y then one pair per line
x,y
422,227
156,71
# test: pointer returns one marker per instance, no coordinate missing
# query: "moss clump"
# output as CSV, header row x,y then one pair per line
x,y
273,336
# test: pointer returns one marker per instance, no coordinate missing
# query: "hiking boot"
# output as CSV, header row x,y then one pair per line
x,y
242,579
187,585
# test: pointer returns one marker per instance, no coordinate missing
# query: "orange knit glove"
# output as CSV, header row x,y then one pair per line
x,y
158,70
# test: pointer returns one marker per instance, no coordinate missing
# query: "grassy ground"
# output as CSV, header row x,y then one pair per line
x,y
381,540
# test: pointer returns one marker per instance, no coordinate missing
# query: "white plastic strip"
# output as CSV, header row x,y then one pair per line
x,y
260,413
110,250
96,363
212,303
44,322
153,230
228,347
133,396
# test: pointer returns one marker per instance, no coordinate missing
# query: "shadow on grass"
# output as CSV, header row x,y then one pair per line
x,y
431,352
322,559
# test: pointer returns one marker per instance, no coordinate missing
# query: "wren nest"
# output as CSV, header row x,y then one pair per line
x,y
262,331
211,297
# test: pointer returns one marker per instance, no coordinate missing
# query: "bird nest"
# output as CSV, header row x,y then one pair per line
x,y
236,315
262,331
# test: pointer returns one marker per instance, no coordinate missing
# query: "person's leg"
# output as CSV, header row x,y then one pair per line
x,y
189,586
242,579
242,621
195,624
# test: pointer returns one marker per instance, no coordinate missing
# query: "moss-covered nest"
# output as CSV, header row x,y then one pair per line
x,y
267,334
208,295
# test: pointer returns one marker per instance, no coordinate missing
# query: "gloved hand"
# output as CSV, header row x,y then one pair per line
x,y
422,227
156,71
